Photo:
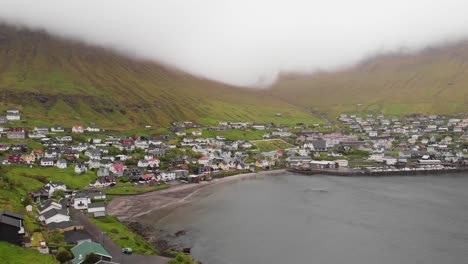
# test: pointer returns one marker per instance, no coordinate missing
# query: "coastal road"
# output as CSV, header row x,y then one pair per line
x,y
116,251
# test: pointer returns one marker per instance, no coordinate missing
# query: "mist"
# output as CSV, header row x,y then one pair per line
x,y
248,43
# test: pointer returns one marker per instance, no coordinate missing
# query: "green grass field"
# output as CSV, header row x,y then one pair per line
x,y
129,188
13,254
271,144
122,236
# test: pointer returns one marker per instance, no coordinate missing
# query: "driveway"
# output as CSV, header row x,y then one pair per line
x,y
117,256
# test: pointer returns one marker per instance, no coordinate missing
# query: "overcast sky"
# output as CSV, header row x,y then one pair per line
x,y
246,42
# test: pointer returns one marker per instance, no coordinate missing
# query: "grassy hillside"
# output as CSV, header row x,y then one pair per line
x,y
434,80
67,82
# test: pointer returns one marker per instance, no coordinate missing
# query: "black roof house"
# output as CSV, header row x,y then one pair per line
x,y
11,227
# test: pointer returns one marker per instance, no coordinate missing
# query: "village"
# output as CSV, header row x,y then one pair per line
x,y
74,171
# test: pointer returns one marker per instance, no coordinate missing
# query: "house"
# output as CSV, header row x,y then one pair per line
x,y
93,154
147,177
316,145
61,164
262,164
55,216
80,168
117,169
97,196
65,139
154,162
97,207
197,133
77,129
75,237
13,116
41,129
143,163
104,181
342,163
48,205
46,162
323,164
93,129
51,187
11,227
94,163
258,127
203,161
15,158
103,172
3,120
81,201
16,133
4,146
168,175
57,129
38,195
83,249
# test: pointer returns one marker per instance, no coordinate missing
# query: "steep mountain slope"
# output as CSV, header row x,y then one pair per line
x,y
434,80
67,82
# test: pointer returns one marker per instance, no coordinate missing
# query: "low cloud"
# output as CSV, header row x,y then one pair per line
x,y
248,43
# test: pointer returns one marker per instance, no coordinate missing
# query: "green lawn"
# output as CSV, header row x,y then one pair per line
x,y
122,236
13,254
35,177
129,188
271,144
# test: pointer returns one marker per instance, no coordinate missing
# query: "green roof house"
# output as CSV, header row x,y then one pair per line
x,y
81,250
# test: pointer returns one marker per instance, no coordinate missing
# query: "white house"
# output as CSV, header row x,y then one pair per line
x,y
61,164
55,216
168,175
57,129
143,163
13,116
96,207
81,201
93,129
80,169
47,162
48,205
258,127
51,187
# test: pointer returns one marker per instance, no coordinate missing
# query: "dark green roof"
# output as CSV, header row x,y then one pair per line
x,y
86,248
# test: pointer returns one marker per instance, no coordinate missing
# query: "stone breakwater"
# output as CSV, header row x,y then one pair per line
x,y
379,172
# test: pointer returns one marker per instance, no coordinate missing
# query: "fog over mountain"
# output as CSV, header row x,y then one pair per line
x,y
248,42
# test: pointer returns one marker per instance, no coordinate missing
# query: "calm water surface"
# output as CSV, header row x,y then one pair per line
x,y
323,219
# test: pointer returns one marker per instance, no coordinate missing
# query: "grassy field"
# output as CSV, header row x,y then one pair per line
x,y
271,144
129,188
122,236
12,254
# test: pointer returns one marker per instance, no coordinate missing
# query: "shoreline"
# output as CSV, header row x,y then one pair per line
x,y
127,208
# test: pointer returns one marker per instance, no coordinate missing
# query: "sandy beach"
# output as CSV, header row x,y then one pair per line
x,y
129,208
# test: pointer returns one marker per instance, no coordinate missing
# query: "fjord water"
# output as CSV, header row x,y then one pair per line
x,y
322,219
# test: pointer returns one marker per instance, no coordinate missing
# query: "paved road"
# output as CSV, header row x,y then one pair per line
x,y
110,246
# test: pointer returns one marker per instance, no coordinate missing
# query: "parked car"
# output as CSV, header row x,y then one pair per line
x,y
127,251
